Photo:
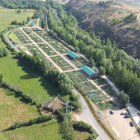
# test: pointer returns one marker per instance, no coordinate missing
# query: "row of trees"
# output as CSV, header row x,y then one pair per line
x,y
67,129
22,4
4,52
17,23
123,69
59,80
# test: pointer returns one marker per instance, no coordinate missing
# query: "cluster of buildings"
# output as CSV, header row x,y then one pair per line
x,y
87,71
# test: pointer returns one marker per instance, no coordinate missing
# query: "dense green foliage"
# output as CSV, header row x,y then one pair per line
x,y
129,19
124,98
4,52
43,24
21,4
67,130
123,69
38,14
37,120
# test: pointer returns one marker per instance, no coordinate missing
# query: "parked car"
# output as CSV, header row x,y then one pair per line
x,y
111,112
126,116
131,124
124,113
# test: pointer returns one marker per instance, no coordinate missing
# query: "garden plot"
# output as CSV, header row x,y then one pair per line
x,y
109,90
62,63
33,49
47,49
34,37
99,81
59,47
22,37
27,30
81,82
78,63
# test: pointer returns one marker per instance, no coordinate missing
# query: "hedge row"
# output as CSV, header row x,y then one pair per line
x,y
40,119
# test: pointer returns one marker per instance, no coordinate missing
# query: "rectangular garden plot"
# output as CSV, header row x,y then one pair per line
x,y
100,81
62,63
34,38
59,47
47,49
81,82
23,38
33,49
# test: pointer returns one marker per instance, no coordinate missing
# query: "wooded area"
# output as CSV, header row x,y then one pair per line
x,y
123,69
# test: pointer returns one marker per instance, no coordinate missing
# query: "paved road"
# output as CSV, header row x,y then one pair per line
x,y
87,113
6,37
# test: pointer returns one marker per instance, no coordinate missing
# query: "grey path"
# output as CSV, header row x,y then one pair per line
x,y
6,37
87,113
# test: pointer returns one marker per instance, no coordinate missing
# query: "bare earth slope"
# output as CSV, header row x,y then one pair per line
x,y
99,19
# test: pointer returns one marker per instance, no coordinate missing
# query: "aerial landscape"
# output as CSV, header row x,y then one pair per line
x,y
70,70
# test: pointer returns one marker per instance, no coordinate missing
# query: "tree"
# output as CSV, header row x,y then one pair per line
x,y
23,22
43,24
28,18
18,11
66,129
91,62
102,70
124,98
14,22
76,49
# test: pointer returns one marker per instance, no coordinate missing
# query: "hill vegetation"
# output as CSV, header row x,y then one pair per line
x,y
117,21
118,65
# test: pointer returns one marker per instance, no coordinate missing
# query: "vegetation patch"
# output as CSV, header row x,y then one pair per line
x,y
14,109
31,83
49,130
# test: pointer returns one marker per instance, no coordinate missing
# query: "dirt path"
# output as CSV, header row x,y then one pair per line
x,y
71,64
44,53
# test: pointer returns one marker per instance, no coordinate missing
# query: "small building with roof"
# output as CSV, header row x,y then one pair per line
x,y
32,24
88,71
73,55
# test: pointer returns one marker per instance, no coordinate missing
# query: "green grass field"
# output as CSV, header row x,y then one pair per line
x,y
8,15
29,81
44,131
14,38
13,109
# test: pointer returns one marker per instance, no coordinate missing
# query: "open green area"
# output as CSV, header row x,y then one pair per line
x,y
31,83
13,109
14,38
48,130
8,15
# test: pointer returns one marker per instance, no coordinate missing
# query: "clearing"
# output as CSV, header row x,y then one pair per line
x,y
13,109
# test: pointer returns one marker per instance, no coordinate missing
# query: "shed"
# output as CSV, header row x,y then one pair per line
x,y
32,24
88,71
73,55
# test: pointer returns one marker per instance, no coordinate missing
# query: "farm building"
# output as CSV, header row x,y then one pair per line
x,y
73,55
88,71
32,24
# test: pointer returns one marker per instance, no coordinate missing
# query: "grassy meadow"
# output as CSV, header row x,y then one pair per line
x,y
14,38
13,109
44,131
8,15
31,83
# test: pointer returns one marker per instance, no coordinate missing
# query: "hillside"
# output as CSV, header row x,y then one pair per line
x,y
114,20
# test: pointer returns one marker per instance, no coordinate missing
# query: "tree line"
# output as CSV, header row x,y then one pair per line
x,y
22,4
59,80
122,68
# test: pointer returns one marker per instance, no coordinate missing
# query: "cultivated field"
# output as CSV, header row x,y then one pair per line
x,y
13,109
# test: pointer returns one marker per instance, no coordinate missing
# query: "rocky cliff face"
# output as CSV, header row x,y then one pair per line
x,y
91,16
